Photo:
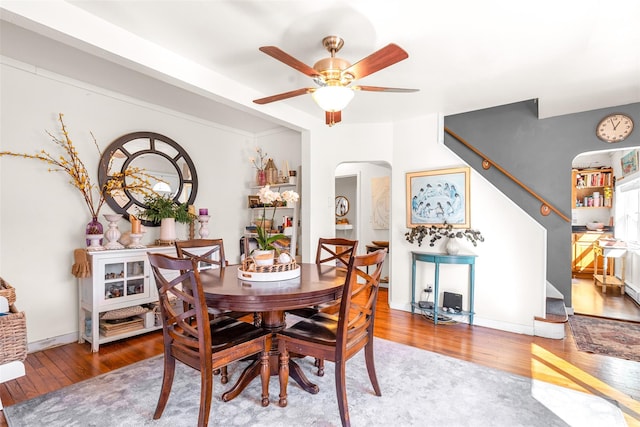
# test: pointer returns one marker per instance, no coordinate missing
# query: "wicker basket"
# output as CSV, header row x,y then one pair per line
x,y
248,264
13,336
7,291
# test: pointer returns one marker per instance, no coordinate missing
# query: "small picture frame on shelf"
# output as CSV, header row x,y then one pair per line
x,y
254,201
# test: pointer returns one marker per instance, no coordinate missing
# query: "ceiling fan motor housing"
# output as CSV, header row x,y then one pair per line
x,y
331,69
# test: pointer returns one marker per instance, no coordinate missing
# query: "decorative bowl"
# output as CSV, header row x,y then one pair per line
x,y
112,217
383,243
593,226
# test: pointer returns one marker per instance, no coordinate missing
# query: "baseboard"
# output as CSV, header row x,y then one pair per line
x,y
549,329
52,342
633,293
480,321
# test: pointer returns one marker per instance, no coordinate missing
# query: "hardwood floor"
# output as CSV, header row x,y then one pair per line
x,y
589,299
554,361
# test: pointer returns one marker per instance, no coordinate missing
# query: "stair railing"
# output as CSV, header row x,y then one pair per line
x,y
545,209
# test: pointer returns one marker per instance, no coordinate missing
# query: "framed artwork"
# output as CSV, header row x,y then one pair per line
x,y
629,162
438,196
254,201
380,202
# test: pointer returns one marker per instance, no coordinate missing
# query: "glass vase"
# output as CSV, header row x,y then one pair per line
x,y
261,178
94,227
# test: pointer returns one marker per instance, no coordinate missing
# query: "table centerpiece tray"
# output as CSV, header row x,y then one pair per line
x,y
249,270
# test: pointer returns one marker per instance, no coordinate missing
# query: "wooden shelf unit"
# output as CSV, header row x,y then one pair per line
x,y
586,182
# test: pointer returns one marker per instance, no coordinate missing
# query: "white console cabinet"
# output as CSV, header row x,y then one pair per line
x,y
120,279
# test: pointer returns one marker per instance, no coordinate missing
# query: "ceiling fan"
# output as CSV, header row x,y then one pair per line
x,y
334,76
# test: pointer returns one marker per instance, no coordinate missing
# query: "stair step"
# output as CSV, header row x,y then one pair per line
x,y
556,312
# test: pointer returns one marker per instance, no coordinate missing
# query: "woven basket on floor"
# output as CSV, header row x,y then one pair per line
x,y
13,336
7,291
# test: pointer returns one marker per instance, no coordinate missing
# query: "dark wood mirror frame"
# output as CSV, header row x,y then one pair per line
x,y
171,151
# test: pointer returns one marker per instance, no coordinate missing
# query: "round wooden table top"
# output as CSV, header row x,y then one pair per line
x,y
317,284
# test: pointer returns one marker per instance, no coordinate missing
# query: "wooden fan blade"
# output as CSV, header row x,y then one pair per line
x,y
284,57
378,60
284,95
383,89
333,117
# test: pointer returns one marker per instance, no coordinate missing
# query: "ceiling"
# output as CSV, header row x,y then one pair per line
x,y
202,57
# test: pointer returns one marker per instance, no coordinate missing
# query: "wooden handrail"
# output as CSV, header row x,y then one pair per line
x,y
546,207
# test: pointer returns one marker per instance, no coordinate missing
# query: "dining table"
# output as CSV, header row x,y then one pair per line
x,y
225,289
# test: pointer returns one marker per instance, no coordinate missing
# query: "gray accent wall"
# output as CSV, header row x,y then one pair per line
x,y
538,152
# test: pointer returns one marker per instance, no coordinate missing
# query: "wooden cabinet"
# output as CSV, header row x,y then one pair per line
x,y
592,188
120,279
584,259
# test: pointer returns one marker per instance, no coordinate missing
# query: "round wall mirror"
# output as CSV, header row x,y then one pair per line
x,y
342,205
172,171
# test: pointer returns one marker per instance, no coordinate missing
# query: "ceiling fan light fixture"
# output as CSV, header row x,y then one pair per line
x,y
333,98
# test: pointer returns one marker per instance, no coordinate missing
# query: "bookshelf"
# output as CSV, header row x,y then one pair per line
x,y
592,188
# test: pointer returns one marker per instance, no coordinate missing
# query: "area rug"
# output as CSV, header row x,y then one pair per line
x,y
608,337
419,388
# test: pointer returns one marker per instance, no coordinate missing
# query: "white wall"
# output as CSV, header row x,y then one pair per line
x,y
43,217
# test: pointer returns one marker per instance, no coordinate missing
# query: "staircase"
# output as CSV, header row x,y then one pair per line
x,y
552,324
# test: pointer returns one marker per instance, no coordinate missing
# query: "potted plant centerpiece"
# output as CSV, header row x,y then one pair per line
x,y
166,212
437,232
265,253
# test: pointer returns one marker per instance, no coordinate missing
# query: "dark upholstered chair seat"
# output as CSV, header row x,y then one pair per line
x,y
320,328
227,332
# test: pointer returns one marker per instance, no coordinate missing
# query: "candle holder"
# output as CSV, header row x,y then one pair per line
x,y
94,242
113,234
135,241
204,221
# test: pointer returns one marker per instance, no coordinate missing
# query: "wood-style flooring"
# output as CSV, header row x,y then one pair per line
x,y
554,361
589,299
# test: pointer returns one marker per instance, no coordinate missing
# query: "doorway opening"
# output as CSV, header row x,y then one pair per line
x,y
367,188
600,202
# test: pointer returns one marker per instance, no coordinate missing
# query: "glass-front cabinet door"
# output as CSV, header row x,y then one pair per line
x,y
124,280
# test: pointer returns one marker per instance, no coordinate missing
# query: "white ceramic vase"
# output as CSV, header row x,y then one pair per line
x,y
453,246
168,229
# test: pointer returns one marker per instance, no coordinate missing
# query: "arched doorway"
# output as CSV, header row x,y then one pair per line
x,y
587,298
367,187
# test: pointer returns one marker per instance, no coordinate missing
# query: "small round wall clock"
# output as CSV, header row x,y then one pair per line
x,y
614,128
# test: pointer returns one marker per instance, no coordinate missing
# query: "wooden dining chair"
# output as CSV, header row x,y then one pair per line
x,y
209,253
337,251
326,337
192,337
